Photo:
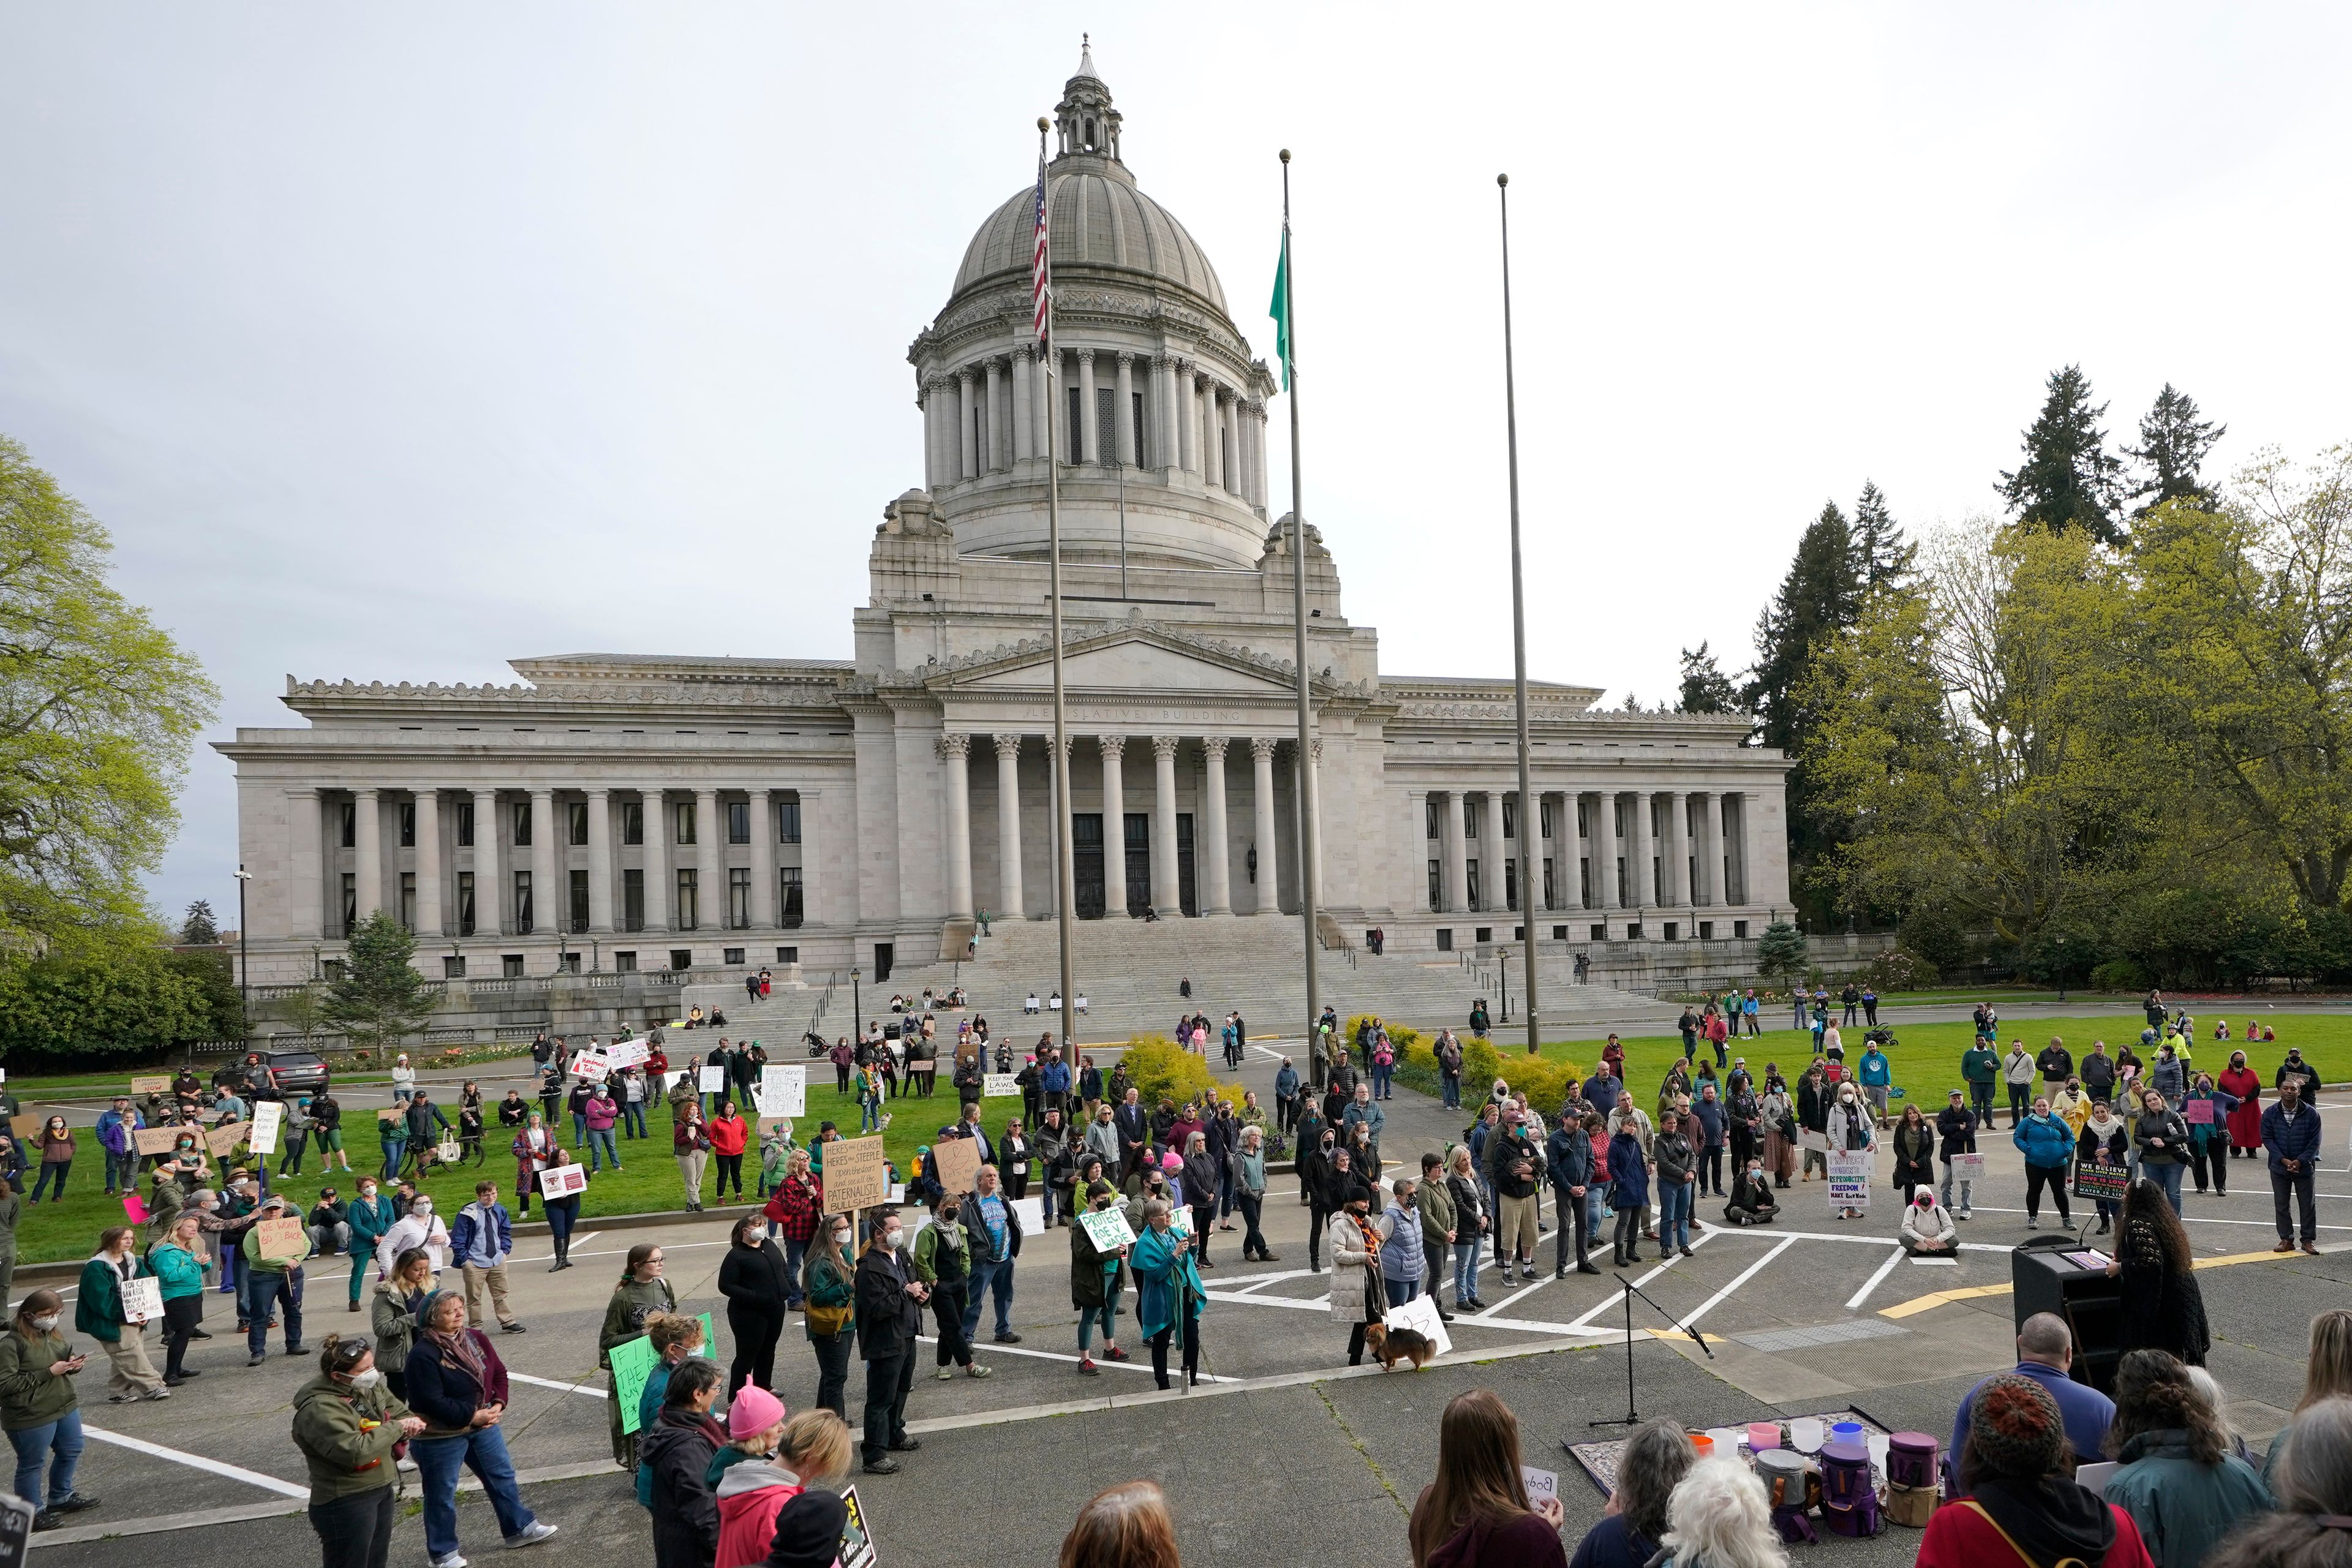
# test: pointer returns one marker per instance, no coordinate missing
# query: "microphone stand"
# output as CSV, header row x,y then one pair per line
x,y
1633,1416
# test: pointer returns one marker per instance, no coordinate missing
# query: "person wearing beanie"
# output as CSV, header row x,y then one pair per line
x,y
760,1499
2021,1499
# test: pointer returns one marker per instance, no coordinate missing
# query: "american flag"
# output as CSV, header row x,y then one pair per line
x,y
1040,294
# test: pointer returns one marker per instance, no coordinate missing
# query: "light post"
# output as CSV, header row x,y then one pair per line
x,y
244,973
857,1008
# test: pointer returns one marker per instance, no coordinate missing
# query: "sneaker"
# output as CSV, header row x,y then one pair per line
x,y
2032,1224
123,1398
906,1445
512,1328
157,1394
1112,1352
1087,1366
532,1534
450,1560
885,1466
48,1518
257,1360
1008,1338
74,1502
947,1375
1269,1258
975,1370
1964,1215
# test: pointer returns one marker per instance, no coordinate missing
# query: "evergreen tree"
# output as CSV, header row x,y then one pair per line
x,y
2069,479
198,929
1706,689
381,996
1882,556
2173,443
1781,952
1819,597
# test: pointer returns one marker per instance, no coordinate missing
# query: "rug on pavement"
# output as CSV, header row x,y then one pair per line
x,y
1600,1458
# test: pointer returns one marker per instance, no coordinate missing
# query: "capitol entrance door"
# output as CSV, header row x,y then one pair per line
x,y
1188,895
1086,864
1139,864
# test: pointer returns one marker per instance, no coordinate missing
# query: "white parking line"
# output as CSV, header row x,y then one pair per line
x,y
1131,1363
1584,1324
1736,1281
579,1387
197,1461
2189,1219
1893,1258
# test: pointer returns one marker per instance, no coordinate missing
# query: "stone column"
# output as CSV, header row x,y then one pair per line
x,y
1008,825
1538,899
367,850
658,834
1269,893
546,900
1705,887
429,863
992,419
1024,438
1166,449
1183,418
765,913
928,402
1457,853
1213,436
489,872
1674,873
1114,810
1090,449
1257,447
1315,803
1604,851
1638,854
955,755
709,864
599,858
1124,413
1167,888
1216,883
306,870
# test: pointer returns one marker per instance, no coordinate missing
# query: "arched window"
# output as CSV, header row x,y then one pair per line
x,y
1090,136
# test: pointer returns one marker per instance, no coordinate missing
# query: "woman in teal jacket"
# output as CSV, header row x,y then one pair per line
x,y
371,1216
1167,1289
100,1313
2048,1145
173,1261
2209,1141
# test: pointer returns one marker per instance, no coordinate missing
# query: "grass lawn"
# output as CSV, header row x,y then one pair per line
x,y
1926,1057
648,1180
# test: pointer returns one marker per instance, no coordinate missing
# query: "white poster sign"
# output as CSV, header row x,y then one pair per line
x,y
267,1114
1850,1172
1108,1228
1969,1167
1000,1083
562,1181
782,1090
714,1080
627,1053
590,1064
1033,1214
1419,1315
1540,1484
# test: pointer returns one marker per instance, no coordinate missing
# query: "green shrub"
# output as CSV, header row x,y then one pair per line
x,y
1543,1082
2119,974
1899,970
1162,1069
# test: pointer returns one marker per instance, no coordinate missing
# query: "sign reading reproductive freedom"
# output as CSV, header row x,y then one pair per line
x,y
1000,1083
857,1176
958,1162
1108,1228
267,1116
1850,1174
562,1181
782,1090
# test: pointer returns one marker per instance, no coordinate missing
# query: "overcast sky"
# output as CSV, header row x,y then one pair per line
x,y
393,342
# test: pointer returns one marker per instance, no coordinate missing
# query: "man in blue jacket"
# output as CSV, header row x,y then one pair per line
x,y
115,1126
480,1238
1053,1082
2291,1133
1568,1157
2046,1350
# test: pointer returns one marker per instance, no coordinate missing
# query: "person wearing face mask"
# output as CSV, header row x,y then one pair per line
x,y
1928,1230
346,1423
757,1281
1357,1295
889,1304
829,1294
99,1312
371,1217
419,1228
1751,1197
1168,1295
641,1293
2105,1139
1094,1283
944,1262
1850,1127
40,1410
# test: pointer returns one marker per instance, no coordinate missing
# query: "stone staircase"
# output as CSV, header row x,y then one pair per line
x,y
1130,972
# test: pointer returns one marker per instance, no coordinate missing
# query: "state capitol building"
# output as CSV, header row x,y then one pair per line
x,y
682,812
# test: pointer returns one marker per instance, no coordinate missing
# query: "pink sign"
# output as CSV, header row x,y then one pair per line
x,y
2198,1111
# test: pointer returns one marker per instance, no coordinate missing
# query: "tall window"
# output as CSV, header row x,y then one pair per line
x,y
1470,892
523,921
523,823
576,815
1143,453
1077,444
1551,895
686,900
1510,884
350,835
408,825
351,901
791,889
1429,814
464,824
408,901
465,903
1510,818
1543,818
739,822
633,900
579,901
1436,886
788,819
738,896
685,819
1106,423
633,821
1470,815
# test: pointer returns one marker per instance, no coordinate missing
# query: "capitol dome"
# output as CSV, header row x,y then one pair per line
x,y
1100,222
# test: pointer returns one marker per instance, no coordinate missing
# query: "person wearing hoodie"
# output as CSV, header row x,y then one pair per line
x,y
2175,1474
2049,1150
783,1458
1928,1230
2105,1140
347,1424
2019,1500
392,1316
678,1451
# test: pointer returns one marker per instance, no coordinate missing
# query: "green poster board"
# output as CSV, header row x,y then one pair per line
x,y
633,1362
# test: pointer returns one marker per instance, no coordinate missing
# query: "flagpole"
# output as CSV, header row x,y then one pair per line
x,y
1310,871
1529,866
1063,882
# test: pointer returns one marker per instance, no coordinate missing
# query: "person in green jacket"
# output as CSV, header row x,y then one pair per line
x,y
270,1281
2175,1473
641,1292
1981,1066
370,1216
100,1312
176,1262
38,1409
11,1205
346,1424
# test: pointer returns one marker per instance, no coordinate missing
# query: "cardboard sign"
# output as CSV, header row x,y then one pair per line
x,y
1817,1141
590,1064
996,1085
142,1297
782,1090
627,1053
154,1139
1968,1167
1850,1176
279,1238
221,1139
28,1127
159,1084
392,1113
1107,1229
562,1181
633,1361
713,1079
2197,1113
1540,1484
1419,1315
266,1117
2097,1179
856,1174
956,1162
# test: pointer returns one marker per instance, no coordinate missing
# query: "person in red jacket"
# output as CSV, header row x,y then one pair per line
x,y
794,1208
729,1134
2023,1506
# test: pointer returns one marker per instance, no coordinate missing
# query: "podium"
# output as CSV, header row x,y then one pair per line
x,y
2045,1277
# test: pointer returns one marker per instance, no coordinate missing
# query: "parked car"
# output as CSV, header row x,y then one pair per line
x,y
294,1072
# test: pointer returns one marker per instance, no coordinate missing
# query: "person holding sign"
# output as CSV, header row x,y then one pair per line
x,y
104,1308
39,1408
561,1184
2105,1141
641,1292
1956,1131
2206,1110
1094,1274
272,1255
1169,1293
1477,1510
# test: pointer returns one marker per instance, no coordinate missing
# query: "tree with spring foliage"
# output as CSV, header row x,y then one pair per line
x,y
381,997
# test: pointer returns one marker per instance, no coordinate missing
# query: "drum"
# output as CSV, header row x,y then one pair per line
x,y
1911,1460
1783,1473
1849,1500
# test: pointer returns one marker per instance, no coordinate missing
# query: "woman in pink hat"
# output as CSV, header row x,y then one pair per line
x,y
781,1458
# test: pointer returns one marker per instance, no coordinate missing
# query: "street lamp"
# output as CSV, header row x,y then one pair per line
x,y
857,1008
244,967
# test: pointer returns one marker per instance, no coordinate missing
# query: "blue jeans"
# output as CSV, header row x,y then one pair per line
x,y
579,1130
265,1289
1400,1291
483,1451
122,1171
1381,1077
1465,1270
2165,1175
1596,1207
633,1118
51,1168
602,1139
869,1118
1107,1315
395,1150
794,1252
1674,1214
1452,1084
989,1279
34,1446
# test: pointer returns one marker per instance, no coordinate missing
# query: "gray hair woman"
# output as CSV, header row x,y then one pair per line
x,y
2312,1481
1654,1462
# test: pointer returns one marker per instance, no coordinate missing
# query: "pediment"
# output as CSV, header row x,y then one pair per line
x,y
1135,664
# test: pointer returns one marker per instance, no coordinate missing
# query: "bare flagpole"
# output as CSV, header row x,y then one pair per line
x,y
1063,882
1310,872
1530,809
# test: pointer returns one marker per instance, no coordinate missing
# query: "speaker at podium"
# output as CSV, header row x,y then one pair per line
x,y
2060,1275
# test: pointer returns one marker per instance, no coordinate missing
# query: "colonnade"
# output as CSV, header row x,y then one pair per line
x,y
1607,850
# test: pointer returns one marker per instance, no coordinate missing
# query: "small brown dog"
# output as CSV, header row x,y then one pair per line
x,y
1390,1346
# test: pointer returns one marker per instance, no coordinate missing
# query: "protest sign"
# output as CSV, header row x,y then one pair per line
x,y
2097,1179
159,1084
589,1065
1968,1167
1033,1214
857,1549
627,1053
957,1161
633,1361
782,1090
1850,1176
142,1297
392,1113
562,1181
28,1127
2197,1113
857,1176
1000,1083
221,1139
279,1238
1419,1315
267,1116
1179,1220
154,1139
1108,1228
714,1080
1817,1141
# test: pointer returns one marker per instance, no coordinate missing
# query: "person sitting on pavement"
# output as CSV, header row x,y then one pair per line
x,y
1927,1228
